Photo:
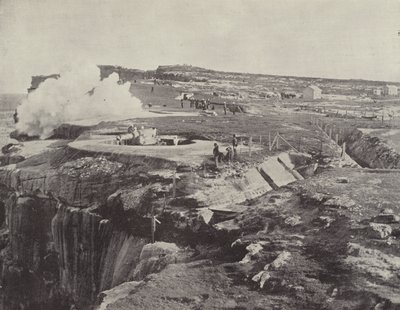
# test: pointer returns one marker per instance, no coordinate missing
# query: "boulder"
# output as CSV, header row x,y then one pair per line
x,y
263,276
229,226
379,231
158,249
340,202
20,136
253,251
278,262
106,298
396,232
155,257
184,168
11,148
293,220
10,159
342,180
205,215
325,221
386,219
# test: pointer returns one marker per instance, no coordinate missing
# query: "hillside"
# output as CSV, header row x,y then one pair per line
x,y
188,73
234,84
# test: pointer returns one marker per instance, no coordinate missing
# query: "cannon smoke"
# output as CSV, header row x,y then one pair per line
x,y
77,95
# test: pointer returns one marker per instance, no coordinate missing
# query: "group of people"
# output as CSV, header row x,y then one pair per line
x,y
201,104
231,152
206,104
137,136
135,132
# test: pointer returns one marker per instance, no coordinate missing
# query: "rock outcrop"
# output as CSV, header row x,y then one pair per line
x,y
86,234
93,253
29,268
370,151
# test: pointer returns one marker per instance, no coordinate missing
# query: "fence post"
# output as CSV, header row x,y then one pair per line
x,y
153,224
343,149
299,147
269,141
330,132
321,148
277,140
174,185
250,143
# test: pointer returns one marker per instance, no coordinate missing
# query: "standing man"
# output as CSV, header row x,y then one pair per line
x,y
229,154
16,118
225,108
118,139
234,145
217,154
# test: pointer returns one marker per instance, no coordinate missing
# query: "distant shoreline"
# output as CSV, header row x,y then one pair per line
x,y
9,102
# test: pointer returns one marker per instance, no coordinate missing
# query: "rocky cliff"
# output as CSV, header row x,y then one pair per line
x,y
94,254
29,268
370,151
73,226
125,74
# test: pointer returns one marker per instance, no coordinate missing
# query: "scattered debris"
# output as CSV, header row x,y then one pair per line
x,y
386,218
263,276
253,250
379,231
293,220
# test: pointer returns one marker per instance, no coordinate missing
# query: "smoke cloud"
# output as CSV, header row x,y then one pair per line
x,y
78,94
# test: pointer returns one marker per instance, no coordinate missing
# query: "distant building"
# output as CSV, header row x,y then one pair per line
x,y
377,91
312,92
390,90
288,94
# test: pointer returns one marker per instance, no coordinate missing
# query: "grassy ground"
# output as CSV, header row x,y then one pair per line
x,y
162,95
295,127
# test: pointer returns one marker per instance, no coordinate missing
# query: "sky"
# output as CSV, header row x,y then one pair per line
x,y
318,38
